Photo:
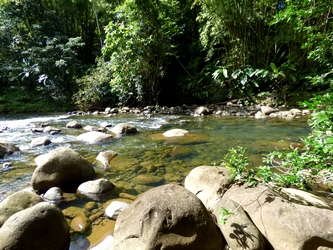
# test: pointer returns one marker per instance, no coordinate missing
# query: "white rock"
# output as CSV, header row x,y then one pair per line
x,y
175,132
260,115
105,157
53,195
40,141
94,137
115,208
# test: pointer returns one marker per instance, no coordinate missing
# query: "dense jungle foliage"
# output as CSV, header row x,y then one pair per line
x,y
92,53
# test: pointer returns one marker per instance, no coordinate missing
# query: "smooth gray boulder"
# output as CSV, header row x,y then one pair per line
x,y
40,141
63,168
167,217
40,227
17,202
123,128
237,228
53,195
201,111
114,209
74,124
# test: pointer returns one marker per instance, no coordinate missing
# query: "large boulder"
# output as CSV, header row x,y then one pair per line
x,y
17,202
93,137
40,227
63,168
167,217
208,183
237,228
123,128
7,149
285,225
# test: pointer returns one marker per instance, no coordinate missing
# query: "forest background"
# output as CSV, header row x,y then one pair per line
x,y
59,55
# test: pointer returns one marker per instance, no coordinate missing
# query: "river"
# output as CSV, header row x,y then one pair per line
x,y
146,159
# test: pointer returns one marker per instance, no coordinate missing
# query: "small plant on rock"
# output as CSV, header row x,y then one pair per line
x,y
237,163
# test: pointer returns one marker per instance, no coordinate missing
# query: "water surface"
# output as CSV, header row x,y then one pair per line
x,y
146,159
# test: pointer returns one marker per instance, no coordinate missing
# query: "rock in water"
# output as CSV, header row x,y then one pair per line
x,y
105,157
123,128
175,132
63,168
93,137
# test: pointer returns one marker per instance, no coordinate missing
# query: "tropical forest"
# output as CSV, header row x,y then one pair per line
x,y
83,54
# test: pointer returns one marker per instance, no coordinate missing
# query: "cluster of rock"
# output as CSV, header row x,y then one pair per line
x,y
191,217
106,131
166,217
225,109
25,216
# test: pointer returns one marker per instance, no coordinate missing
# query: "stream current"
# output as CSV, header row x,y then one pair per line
x,y
145,159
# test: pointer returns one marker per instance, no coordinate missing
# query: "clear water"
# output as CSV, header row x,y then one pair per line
x,y
146,159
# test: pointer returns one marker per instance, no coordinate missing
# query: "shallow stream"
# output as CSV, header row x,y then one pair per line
x,y
146,159
147,152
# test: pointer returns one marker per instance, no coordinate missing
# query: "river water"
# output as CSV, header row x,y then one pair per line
x,y
146,159
147,153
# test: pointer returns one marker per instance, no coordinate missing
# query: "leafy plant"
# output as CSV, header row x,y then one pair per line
x,y
237,163
224,214
296,167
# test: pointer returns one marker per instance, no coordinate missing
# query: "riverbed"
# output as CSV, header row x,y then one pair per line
x,y
145,159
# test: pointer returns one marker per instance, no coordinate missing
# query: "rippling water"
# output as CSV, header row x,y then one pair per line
x,y
146,159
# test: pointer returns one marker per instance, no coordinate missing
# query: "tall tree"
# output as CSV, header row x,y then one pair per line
x,y
138,43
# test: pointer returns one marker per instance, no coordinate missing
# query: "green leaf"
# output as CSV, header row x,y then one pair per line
x,y
274,68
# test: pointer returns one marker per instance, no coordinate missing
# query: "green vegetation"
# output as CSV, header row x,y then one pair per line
x,y
170,52
306,167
